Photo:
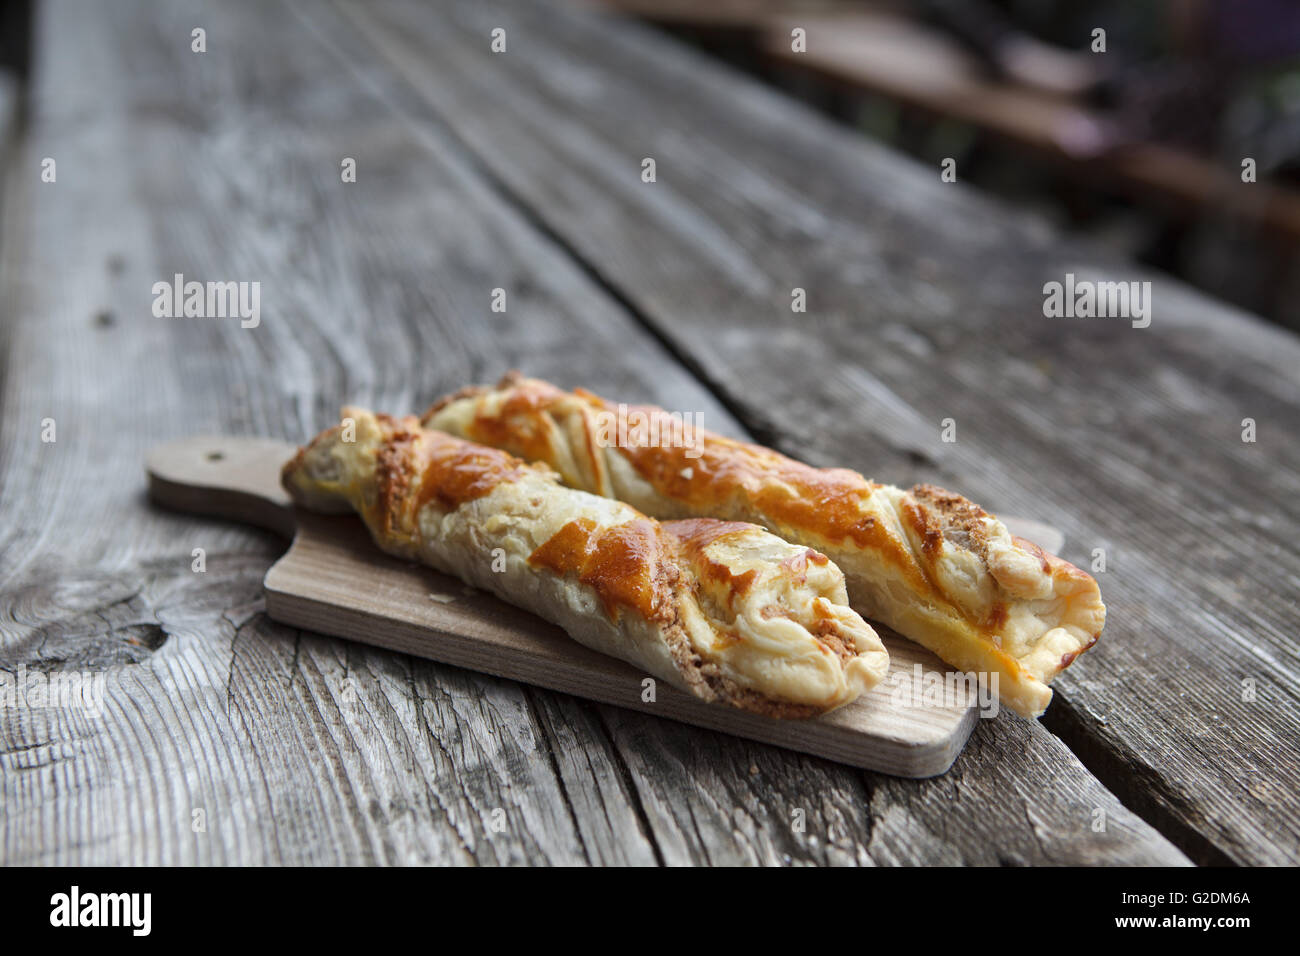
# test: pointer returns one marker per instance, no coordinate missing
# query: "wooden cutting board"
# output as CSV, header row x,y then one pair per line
x,y
334,580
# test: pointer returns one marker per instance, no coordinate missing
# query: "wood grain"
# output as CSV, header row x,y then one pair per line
x,y
925,303
305,749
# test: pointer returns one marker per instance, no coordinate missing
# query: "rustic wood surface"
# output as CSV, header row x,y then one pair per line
x,y
521,171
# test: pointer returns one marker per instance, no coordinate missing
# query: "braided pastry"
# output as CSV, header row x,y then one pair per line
x,y
724,610
928,563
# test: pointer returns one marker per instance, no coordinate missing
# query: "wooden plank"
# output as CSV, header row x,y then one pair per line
x,y
925,302
298,748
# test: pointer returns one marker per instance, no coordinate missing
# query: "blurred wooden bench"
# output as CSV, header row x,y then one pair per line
x,y
878,51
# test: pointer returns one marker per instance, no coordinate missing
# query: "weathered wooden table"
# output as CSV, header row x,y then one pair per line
x,y
229,739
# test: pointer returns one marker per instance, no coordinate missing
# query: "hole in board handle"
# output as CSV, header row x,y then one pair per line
x,y
216,455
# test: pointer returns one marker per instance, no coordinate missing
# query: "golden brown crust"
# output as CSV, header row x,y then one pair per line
x,y
629,565
693,537
828,503
414,466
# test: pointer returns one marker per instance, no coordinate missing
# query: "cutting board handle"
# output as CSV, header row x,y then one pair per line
x,y
235,478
